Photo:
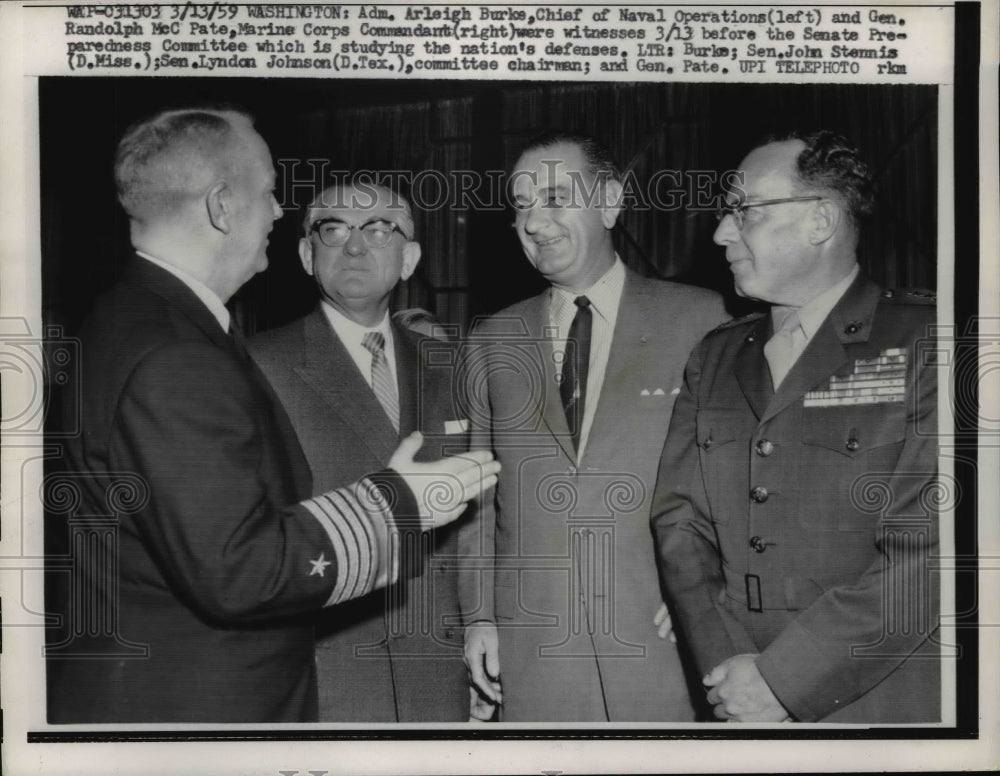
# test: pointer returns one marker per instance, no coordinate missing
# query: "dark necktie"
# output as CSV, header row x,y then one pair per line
x,y
238,340
573,388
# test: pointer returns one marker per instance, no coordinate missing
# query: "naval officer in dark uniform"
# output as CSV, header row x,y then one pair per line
x,y
794,510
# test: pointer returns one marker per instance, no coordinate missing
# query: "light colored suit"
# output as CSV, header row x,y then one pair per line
x,y
575,587
394,655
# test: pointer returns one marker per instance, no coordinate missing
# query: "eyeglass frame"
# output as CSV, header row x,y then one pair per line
x,y
737,211
315,226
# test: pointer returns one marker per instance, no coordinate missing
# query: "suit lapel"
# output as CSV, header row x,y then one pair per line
x,y
329,370
821,358
407,374
751,368
848,323
632,329
167,286
553,414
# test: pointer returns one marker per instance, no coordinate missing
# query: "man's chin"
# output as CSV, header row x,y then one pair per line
x,y
552,264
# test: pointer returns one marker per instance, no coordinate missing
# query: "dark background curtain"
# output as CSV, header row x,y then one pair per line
x,y
434,130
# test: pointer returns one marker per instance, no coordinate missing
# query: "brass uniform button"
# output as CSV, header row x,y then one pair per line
x,y
757,544
765,447
759,494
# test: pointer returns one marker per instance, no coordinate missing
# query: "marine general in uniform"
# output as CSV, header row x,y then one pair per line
x,y
793,512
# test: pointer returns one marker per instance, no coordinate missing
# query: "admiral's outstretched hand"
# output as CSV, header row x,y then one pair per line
x,y
442,488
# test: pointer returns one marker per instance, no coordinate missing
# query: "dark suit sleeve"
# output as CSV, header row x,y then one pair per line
x,y
687,548
852,637
214,524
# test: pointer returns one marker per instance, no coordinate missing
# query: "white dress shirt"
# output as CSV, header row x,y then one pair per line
x,y
208,297
352,334
605,296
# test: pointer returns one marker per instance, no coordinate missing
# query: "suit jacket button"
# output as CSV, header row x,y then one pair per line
x,y
852,444
759,494
765,447
757,544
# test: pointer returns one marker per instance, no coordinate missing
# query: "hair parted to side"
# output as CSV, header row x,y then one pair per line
x,y
600,162
163,160
831,162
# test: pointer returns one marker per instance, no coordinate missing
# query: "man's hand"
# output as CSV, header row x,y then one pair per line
x,y
442,488
482,658
480,709
664,626
739,693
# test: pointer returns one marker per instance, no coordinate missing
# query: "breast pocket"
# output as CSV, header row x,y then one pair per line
x,y
842,445
722,438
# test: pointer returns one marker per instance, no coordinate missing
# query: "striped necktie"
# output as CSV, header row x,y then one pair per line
x,y
381,377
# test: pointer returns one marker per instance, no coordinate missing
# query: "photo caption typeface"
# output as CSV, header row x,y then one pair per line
x,y
644,42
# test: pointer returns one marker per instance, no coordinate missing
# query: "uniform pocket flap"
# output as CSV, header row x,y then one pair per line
x,y
853,431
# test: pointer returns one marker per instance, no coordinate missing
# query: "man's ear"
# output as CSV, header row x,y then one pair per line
x,y
306,254
612,203
826,218
219,204
411,258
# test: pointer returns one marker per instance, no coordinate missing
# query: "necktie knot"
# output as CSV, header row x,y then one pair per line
x,y
582,302
374,342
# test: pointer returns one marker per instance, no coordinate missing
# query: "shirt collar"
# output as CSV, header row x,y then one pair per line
x,y
352,331
604,295
814,312
207,296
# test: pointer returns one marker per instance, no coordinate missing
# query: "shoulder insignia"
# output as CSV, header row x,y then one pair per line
x,y
909,296
738,321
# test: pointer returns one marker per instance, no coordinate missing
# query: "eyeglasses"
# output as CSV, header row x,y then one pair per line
x,y
738,211
334,233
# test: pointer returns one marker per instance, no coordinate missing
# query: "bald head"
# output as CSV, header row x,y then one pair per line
x,y
164,163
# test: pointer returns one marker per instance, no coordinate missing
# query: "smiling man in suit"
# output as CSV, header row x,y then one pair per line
x,y
794,509
353,383
559,588
220,555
